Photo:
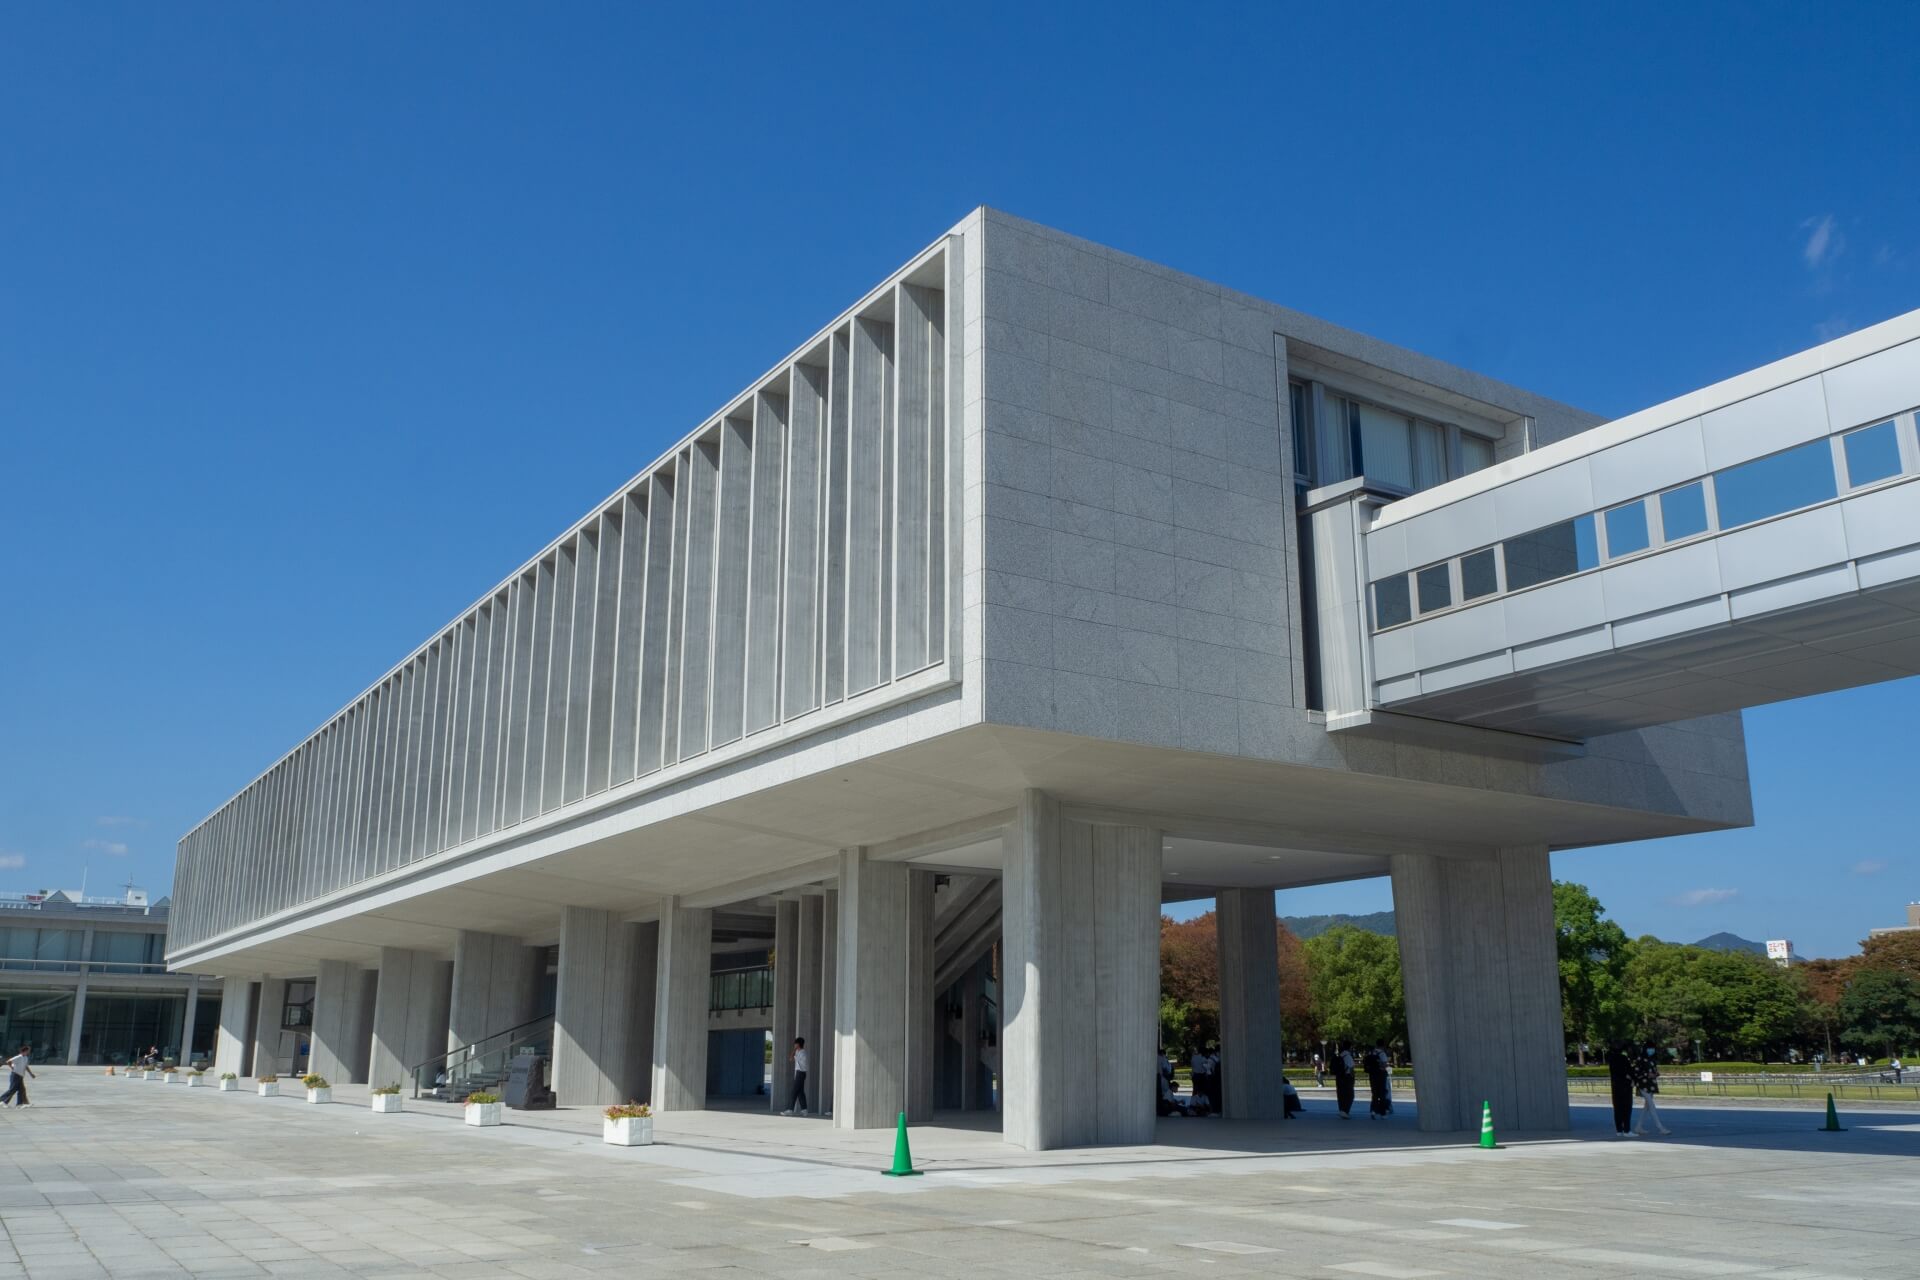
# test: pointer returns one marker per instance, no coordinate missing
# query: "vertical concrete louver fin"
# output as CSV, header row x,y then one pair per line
x,y
789,556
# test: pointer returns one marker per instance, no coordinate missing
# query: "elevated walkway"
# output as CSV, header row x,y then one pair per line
x,y
1753,541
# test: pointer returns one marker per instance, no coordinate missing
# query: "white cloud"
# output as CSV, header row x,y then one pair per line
x,y
12,861
112,848
1825,242
111,821
1869,866
1704,897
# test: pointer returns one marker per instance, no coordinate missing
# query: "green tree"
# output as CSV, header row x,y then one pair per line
x,y
1593,963
1721,1004
1881,1009
1354,977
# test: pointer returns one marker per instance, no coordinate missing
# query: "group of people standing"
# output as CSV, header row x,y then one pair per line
x,y
1379,1068
1635,1072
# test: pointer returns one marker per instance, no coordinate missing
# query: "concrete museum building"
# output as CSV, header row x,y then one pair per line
x,y
1041,587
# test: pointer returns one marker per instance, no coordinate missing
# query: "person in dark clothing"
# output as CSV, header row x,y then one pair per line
x,y
1343,1080
1380,1098
1620,1078
1646,1083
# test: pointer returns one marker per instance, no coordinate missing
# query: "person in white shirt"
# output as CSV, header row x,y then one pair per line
x,y
18,1073
797,1104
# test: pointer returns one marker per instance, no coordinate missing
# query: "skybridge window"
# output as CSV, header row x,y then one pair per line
x,y
1873,454
1683,512
1479,574
1557,551
1774,485
1392,603
1627,530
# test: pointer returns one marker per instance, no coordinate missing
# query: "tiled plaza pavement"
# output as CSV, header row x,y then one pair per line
x,y
108,1177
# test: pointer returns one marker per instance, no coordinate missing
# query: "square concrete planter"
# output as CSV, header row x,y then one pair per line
x,y
270,1089
317,1096
195,1082
229,1086
484,1115
170,1077
628,1131
384,1104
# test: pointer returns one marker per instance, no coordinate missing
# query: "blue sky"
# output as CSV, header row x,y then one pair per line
x,y
316,320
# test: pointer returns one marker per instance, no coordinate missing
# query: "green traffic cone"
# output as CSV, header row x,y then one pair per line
x,y
902,1156
1486,1127
1833,1117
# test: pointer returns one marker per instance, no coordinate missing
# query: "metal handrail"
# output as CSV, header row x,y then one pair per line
x,y
483,1045
453,1075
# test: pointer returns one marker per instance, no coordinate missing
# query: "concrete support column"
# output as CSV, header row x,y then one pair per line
x,y
268,1036
870,1007
684,986
806,992
923,1019
823,1048
230,1042
1082,979
79,1019
343,999
496,982
1481,973
409,1013
189,1018
786,971
1250,1031
603,1008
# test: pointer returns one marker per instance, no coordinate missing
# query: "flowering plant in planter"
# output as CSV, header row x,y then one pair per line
x,y
628,1124
483,1110
196,1078
229,1082
168,1070
318,1090
269,1085
384,1099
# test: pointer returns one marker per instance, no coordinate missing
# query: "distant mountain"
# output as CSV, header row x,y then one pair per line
x,y
1305,927
1732,942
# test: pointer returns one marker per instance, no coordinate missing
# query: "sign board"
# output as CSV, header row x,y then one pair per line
x,y
1779,949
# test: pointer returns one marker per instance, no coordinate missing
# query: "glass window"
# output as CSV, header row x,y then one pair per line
x,y
1477,576
298,1009
1553,552
1627,530
1435,587
1429,455
1683,512
1333,441
1391,605
1297,399
59,944
1799,477
1386,447
1873,453
1476,453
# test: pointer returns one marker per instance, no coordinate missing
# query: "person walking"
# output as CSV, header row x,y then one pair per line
x,y
1343,1081
1216,1098
1198,1066
1646,1083
18,1072
1620,1081
1379,1083
1319,1070
797,1103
